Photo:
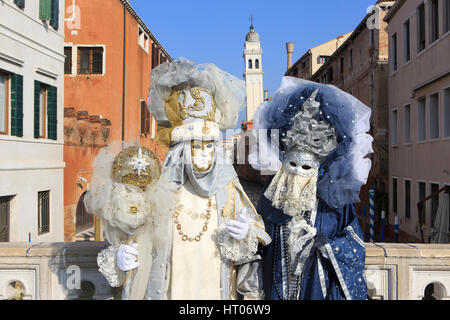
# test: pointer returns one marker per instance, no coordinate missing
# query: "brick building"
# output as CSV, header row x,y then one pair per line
x,y
419,110
110,53
360,67
315,57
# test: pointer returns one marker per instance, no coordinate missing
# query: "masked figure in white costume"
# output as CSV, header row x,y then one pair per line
x,y
205,231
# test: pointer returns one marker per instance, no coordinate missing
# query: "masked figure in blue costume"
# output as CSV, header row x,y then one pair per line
x,y
314,139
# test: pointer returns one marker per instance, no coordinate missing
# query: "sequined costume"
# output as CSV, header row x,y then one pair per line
x,y
317,146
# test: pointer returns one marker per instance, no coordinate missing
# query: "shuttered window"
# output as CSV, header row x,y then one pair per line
x,y
45,10
90,60
4,102
54,18
43,212
52,112
145,119
17,105
20,3
68,61
155,55
45,111
49,11
4,218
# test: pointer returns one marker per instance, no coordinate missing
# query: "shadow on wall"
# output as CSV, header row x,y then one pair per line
x,y
434,291
75,267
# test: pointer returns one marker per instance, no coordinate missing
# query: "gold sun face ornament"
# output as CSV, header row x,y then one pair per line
x,y
136,166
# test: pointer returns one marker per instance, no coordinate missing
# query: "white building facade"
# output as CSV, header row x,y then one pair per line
x,y
31,120
253,72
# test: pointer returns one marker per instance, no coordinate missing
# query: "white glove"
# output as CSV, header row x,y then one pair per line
x,y
238,229
127,257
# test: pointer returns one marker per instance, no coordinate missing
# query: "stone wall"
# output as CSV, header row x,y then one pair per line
x,y
48,271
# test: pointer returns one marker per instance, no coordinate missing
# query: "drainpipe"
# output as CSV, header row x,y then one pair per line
x,y
124,68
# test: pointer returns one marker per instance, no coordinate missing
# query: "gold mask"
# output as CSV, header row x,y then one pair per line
x,y
202,154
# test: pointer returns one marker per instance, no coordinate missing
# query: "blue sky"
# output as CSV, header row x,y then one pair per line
x,y
214,30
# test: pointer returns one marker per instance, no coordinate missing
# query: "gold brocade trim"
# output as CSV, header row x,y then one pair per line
x,y
228,210
199,105
233,282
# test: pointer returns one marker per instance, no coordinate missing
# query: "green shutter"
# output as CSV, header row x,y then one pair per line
x,y
37,89
45,9
17,105
52,112
54,21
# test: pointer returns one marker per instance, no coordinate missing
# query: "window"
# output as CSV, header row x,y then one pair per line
x,y
49,11
143,39
421,193
145,119
42,110
447,112
330,74
68,60
421,119
155,55
11,104
4,218
407,124
372,37
256,64
372,92
434,116
434,187
351,58
421,28
446,16
90,60
43,212
434,20
45,111
394,51
394,195
394,128
250,64
342,64
406,42
20,3
4,102
323,59
408,199
304,64
84,219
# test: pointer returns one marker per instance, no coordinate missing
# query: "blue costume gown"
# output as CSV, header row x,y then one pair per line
x,y
340,274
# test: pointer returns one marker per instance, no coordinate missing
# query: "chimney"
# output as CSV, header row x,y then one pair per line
x,y
290,51
266,94
339,41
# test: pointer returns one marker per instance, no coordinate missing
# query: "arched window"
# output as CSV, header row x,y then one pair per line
x,y
256,64
250,65
84,219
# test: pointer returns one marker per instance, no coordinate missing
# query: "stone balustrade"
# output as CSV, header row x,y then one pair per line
x,y
68,270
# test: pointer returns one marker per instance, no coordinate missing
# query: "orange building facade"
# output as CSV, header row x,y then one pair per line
x,y
110,53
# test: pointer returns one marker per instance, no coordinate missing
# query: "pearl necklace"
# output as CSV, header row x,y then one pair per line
x,y
198,237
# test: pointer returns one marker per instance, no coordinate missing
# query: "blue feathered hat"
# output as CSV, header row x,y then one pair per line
x,y
345,169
